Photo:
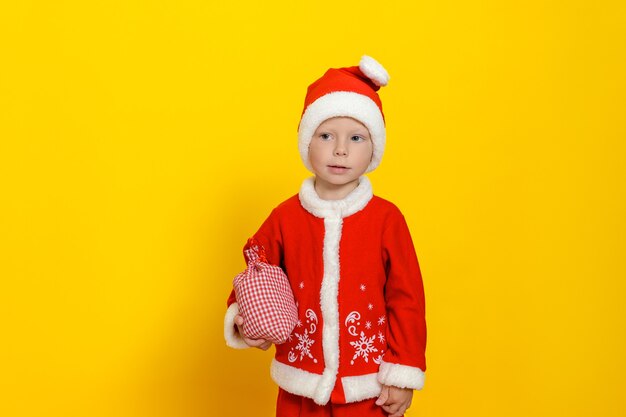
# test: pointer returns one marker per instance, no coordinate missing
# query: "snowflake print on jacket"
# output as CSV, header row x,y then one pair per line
x,y
363,347
363,344
304,339
304,345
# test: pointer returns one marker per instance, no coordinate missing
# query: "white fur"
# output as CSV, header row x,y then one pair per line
x,y
347,104
233,339
401,376
333,212
374,70
300,382
330,308
294,380
359,388
352,203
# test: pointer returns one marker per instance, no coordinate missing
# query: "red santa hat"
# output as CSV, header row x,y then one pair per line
x,y
347,92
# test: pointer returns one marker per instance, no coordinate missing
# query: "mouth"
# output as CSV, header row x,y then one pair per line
x,y
338,169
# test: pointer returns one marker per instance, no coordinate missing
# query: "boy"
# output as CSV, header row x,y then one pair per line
x,y
359,346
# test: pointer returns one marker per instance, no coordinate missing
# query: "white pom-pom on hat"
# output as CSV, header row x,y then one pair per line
x,y
374,70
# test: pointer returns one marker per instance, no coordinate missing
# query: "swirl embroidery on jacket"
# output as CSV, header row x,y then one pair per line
x,y
350,320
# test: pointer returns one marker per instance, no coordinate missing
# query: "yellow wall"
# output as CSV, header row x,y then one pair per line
x,y
142,142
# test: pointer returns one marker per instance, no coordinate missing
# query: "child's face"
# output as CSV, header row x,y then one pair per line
x,y
340,151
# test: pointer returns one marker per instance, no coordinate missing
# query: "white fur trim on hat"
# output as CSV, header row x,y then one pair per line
x,y
374,71
343,104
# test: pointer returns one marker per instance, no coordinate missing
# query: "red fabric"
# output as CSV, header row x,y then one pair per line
x,y
380,295
290,405
343,79
265,298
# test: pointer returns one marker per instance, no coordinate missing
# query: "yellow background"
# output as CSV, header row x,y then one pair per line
x,y
142,142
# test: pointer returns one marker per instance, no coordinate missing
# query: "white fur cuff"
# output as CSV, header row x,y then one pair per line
x,y
233,339
401,376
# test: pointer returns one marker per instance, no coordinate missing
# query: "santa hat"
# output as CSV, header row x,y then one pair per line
x,y
347,92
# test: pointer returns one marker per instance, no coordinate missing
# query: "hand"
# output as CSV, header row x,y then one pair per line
x,y
257,343
394,400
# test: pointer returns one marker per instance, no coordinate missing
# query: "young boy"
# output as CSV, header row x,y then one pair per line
x,y
359,346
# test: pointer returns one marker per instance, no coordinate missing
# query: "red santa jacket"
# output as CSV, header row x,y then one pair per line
x,y
358,287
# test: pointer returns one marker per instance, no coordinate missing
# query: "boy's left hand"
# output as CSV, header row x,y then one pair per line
x,y
394,400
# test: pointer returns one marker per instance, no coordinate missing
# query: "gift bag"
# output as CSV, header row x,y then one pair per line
x,y
265,299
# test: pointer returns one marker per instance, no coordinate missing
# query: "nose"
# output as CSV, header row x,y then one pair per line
x,y
340,148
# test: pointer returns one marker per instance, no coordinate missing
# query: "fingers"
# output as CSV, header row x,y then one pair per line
x,y
384,395
394,401
395,410
266,345
392,409
258,343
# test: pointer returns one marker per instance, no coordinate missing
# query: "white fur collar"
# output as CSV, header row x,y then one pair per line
x,y
350,204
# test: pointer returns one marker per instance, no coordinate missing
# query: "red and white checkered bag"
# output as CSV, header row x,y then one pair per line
x,y
265,298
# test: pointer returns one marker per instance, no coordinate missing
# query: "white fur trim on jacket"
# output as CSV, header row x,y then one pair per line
x,y
330,309
361,387
333,212
232,336
347,104
294,380
304,383
401,376
353,202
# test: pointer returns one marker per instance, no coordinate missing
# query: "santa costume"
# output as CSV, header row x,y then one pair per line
x,y
352,268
